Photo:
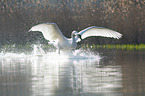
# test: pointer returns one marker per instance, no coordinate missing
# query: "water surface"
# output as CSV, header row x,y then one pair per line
x,y
109,73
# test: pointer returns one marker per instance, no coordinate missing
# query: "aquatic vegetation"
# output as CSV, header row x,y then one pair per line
x,y
116,46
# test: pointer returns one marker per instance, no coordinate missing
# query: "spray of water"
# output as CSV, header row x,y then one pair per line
x,y
38,51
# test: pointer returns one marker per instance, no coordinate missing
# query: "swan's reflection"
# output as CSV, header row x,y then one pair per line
x,y
53,75
14,75
63,77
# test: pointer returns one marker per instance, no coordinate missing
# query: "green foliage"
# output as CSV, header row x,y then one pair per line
x,y
116,46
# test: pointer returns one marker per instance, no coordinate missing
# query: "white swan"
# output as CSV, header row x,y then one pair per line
x,y
52,33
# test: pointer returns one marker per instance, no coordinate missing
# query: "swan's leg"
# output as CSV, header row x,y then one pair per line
x,y
58,51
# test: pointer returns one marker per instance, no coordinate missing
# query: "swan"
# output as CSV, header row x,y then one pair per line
x,y
52,33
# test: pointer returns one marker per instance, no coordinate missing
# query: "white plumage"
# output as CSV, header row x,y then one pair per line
x,y
52,33
99,31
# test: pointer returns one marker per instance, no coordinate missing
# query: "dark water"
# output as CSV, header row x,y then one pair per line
x,y
118,73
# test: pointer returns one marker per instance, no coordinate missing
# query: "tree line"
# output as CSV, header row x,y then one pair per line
x,y
124,16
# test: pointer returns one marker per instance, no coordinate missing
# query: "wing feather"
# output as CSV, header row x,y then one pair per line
x,y
99,31
50,31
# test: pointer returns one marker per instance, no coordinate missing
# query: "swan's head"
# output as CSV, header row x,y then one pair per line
x,y
75,33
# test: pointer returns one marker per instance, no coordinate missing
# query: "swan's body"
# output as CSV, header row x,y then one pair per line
x,y
52,33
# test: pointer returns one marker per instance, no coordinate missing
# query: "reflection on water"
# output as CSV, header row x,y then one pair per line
x,y
54,75
133,70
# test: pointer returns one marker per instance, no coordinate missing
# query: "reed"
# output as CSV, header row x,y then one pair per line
x,y
117,46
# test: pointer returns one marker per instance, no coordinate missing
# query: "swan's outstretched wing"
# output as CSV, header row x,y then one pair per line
x,y
50,31
98,31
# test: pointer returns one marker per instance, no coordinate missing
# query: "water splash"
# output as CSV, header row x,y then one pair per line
x,y
76,54
38,51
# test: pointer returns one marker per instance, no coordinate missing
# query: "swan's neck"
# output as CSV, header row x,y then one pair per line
x,y
73,37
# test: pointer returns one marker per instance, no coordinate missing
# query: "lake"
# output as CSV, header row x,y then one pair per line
x,y
103,73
